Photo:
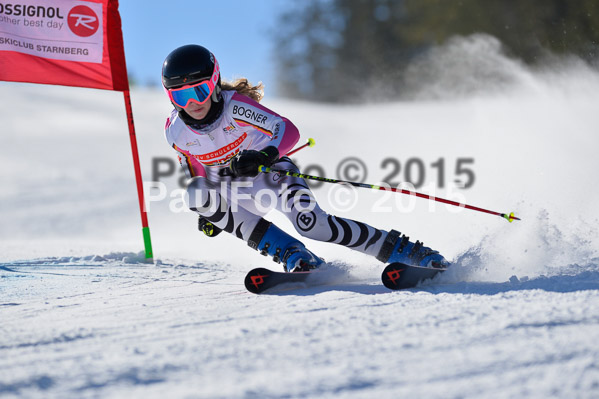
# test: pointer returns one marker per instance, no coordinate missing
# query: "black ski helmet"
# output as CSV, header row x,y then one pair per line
x,y
189,64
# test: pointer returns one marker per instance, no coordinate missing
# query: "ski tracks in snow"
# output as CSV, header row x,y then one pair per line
x,y
115,327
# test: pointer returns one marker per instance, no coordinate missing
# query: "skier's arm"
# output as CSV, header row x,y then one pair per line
x,y
247,112
190,165
287,138
247,162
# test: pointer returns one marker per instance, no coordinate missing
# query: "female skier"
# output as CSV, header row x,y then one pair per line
x,y
222,135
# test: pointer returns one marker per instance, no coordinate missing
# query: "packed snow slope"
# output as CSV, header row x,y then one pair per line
x,y
517,315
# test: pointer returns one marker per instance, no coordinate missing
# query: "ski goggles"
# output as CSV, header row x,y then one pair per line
x,y
197,93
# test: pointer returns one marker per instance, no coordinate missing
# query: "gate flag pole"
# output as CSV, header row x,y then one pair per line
x,y
92,55
145,228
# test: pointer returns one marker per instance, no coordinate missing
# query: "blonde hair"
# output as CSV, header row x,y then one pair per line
x,y
244,87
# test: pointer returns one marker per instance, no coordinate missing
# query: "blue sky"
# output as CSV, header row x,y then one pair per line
x,y
237,32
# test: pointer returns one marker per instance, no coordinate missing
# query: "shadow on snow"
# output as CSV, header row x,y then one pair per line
x,y
587,280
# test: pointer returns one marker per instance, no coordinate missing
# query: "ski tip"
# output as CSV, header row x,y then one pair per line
x,y
391,276
255,279
398,276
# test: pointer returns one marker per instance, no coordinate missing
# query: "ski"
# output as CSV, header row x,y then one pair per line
x,y
397,276
261,279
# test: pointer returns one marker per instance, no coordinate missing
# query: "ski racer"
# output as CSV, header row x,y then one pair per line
x,y
222,135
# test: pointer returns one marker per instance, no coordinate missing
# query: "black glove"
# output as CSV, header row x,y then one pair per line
x,y
246,163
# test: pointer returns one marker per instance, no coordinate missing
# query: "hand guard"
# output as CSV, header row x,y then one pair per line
x,y
246,163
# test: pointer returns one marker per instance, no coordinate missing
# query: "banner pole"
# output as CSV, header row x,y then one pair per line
x,y
138,179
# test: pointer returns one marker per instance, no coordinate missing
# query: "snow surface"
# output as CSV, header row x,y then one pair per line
x,y
82,316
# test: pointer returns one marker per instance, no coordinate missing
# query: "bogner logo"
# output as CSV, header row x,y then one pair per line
x,y
83,21
249,114
306,220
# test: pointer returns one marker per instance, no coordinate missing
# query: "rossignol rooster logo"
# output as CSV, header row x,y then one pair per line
x,y
83,21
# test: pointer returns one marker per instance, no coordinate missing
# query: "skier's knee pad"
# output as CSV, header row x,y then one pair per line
x,y
200,196
312,224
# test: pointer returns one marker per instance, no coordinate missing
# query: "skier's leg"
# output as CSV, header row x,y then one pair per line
x,y
206,198
292,253
397,247
297,202
214,205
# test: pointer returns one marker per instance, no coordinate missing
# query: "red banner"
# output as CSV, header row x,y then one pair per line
x,y
63,42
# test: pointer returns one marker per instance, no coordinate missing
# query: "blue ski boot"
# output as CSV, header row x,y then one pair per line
x,y
270,240
399,248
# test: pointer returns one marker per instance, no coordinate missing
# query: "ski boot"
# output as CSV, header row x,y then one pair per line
x,y
399,248
270,240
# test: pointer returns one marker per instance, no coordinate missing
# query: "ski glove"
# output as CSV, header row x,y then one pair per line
x,y
206,227
246,163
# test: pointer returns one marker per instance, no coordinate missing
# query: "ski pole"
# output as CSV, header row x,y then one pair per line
x,y
309,143
509,217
